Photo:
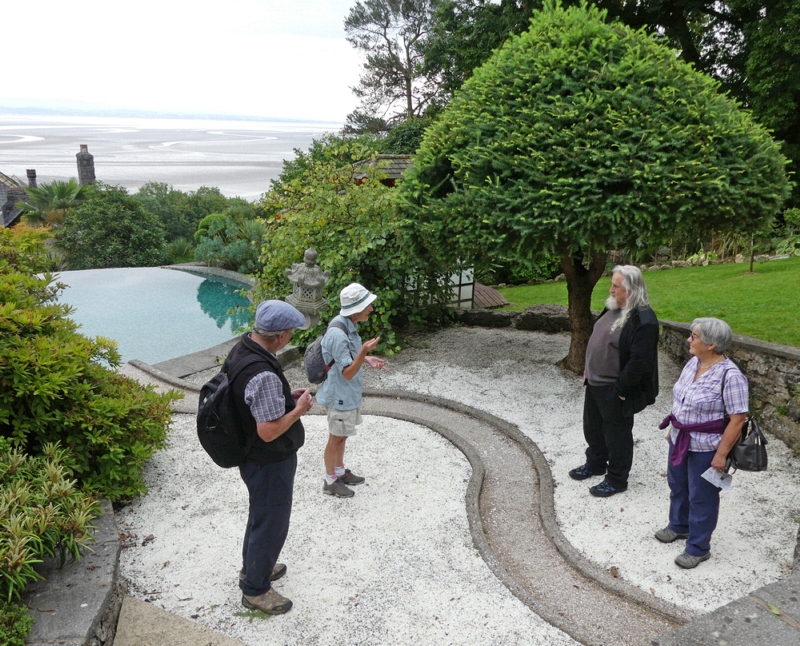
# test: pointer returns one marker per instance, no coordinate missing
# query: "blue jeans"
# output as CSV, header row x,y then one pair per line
x,y
693,501
270,487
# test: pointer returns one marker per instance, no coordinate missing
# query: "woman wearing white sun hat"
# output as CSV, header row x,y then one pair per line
x,y
341,392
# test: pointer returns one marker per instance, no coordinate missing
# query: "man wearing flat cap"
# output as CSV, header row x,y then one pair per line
x,y
341,392
270,411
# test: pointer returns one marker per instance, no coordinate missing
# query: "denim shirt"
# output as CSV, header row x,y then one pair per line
x,y
336,391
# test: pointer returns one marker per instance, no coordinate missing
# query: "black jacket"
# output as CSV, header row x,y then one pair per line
x,y
281,447
638,361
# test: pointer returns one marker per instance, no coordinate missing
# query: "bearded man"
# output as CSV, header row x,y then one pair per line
x,y
621,379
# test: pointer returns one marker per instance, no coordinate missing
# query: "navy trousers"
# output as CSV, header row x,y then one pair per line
x,y
608,433
693,501
270,487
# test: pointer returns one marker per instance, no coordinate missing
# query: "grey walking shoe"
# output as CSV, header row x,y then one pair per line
x,y
666,535
687,561
277,572
338,489
270,602
350,478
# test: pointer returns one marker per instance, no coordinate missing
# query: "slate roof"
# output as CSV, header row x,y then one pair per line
x,y
14,185
393,165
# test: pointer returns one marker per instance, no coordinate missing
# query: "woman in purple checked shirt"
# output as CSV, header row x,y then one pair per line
x,y
704,430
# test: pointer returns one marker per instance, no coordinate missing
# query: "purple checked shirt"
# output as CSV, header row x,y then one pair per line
x,y
697,402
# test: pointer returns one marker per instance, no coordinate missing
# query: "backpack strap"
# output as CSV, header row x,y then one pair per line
x,y
235,372
339,326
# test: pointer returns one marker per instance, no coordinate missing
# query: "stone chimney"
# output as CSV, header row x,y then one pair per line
x,y
85,166
31,172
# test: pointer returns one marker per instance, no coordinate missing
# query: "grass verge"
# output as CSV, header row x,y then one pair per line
x,y
764,304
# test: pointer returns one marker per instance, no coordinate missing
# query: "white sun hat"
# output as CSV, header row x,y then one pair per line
x,y
354,299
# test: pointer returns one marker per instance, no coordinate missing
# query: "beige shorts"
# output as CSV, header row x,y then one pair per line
x,y
342,423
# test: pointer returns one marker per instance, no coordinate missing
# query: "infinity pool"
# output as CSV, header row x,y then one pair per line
x,y
154,314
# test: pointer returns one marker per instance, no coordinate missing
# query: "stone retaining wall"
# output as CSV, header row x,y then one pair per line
x,y
773,370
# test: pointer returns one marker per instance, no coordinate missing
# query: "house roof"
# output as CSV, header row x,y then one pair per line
x,y
8,184
393,165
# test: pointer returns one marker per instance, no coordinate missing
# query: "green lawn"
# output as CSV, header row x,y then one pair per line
x,y
764,304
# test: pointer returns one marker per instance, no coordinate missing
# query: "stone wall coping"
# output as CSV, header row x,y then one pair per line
x,y
747,342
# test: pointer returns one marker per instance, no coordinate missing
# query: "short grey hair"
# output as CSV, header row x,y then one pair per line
x,y
268,335
714,331
633,282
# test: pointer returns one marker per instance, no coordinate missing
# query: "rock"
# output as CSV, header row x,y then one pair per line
x,y
653,268
739,258
680,263
486,318
544,318
560,278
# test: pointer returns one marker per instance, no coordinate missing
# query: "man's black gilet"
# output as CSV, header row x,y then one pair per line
x,y
281,447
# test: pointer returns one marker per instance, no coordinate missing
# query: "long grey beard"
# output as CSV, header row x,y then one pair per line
x,y
611,303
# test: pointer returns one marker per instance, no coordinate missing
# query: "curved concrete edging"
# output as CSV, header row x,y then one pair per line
x,y
546,510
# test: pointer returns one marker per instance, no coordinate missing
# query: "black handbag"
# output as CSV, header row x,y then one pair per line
x,y
750,452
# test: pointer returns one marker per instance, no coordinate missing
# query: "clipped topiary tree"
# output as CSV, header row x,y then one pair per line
x,y
580,136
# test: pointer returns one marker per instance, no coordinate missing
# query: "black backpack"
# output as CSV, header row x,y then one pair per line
x,y
316,368
221,435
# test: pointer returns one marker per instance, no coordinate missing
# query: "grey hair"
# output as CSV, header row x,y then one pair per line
x,y
633,282
268,335
714,331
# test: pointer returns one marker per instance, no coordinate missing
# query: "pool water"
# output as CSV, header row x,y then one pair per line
x,y
154,314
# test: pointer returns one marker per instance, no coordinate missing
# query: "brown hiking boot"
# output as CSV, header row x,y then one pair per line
x,y
270,602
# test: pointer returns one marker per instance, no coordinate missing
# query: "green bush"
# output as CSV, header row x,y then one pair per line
x,y
15,624
179,251
230,241
354,228
111,229
44,513
56,386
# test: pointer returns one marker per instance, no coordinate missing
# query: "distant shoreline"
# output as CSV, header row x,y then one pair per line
x,y
38,111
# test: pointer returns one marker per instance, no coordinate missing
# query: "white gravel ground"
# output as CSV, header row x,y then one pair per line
x,y
395,564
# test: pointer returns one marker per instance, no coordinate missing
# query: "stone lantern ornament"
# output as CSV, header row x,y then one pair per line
x,y
307,282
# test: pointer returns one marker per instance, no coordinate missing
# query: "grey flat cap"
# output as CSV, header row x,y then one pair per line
x,y
274,316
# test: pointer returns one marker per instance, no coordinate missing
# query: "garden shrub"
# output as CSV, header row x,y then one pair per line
x,y
57,385
352,220
44,512
15,624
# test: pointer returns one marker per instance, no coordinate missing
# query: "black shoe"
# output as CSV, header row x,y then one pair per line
x,y
604,490
583,472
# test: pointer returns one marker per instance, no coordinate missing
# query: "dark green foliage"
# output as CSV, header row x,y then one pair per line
x,y
179,251
516,272
354,229
15,624
580,133
54,386
44,512
181,212
464,34
111,229
231,240
580,136
405,137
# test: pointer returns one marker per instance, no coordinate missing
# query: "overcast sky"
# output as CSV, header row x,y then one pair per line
x,y
267,58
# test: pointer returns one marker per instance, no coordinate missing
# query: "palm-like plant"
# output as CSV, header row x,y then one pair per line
x,y
51,202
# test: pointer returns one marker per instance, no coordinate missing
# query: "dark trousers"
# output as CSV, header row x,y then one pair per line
x,y
270,487
693,501
608,433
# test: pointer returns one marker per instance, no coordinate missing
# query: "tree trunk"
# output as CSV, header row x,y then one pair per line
x,y
580,283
